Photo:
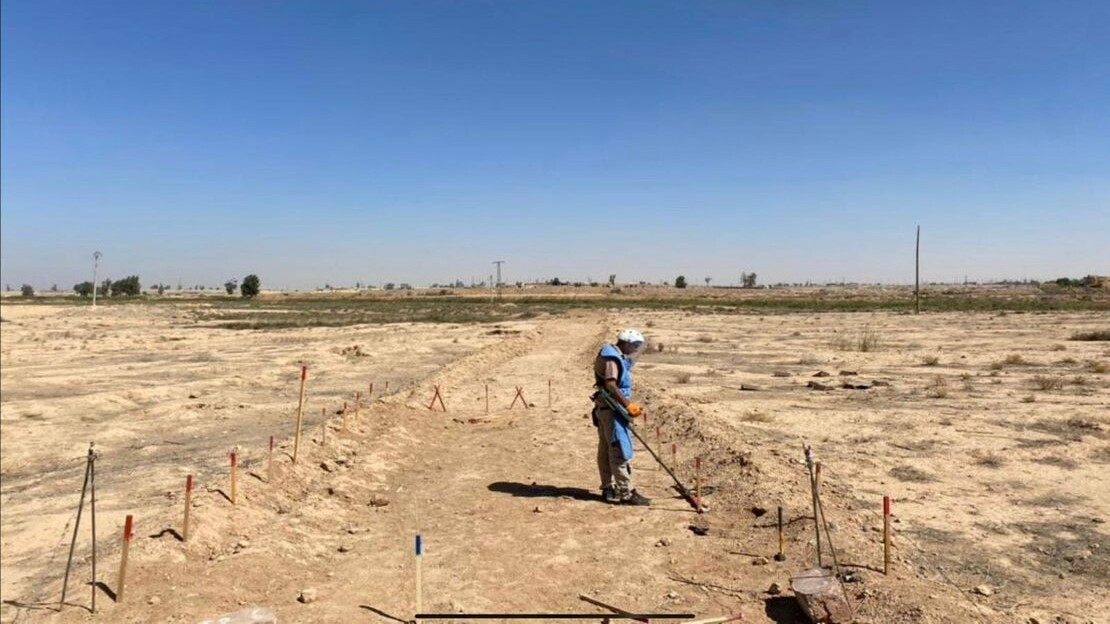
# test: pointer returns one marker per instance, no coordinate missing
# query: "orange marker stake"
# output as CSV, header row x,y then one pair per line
x,y
234,477
127,533
270,463
188,507
886,535
344,417
300,415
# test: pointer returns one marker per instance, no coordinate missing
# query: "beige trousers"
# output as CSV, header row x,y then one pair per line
x,y
615,472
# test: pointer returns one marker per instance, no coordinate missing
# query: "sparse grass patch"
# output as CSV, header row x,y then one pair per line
x,y
758,416
1079,380
1097,367
1098,334
684,378
1046,383
704,338
865,342
1059,347
1066,463
1014,359
1068,360
1032,398
809,359
930,360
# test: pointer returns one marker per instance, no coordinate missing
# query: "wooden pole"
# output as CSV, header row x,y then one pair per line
x,y
386,391
270,463
324,427
549,394
781,556
300,415
674,455
344,417
358,400
127,532
697,481
234,477
370,395
817,477
487,398
188,507
917,274
76,526
886,535
92,516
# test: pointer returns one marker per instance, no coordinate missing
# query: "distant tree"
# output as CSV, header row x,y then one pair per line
x,y
161,289
612,279
104,288
85,289
54,288
230,286
680,281
707,280
390,286
27,290
126,287
747,280
7,287
556,282
251,286
404,286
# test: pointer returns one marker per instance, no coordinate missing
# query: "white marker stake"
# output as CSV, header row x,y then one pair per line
x,y
419,579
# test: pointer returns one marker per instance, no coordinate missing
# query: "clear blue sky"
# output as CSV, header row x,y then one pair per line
x,y
323,141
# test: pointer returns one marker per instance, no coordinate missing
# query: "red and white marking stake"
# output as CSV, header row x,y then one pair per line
x,y
300,415
234,477
886,535
127,534
188,507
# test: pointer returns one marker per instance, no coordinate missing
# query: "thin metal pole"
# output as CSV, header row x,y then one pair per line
x,y
917,274
76,526
92,486
813,492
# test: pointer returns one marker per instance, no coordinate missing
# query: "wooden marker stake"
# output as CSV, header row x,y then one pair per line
x,y
886,535
370,395
548,394
300,415
438,396
234,477
386,391
487,398
358,400
781,556
674,454
817,477
697,481
270,463
127,533
344,417
324,419
188,507
519,395
659,437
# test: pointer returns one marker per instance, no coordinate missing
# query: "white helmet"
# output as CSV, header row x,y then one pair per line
x,y
630,335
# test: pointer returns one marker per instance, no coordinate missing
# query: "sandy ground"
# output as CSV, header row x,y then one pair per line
x,y
997,465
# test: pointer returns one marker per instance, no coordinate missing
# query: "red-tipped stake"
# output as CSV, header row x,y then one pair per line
x,y
886,535
127,533
270,463
234,477
188,507
300,415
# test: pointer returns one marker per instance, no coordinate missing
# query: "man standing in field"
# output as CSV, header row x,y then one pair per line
x,y
613,376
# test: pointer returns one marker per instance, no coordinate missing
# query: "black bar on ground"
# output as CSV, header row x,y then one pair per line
x,y
554,616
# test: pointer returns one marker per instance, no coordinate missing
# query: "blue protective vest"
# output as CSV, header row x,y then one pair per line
x,y
621,435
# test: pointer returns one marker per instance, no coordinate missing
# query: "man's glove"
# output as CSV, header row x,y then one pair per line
x,y
634,410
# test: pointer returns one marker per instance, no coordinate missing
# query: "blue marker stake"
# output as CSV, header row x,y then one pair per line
x,y
419,580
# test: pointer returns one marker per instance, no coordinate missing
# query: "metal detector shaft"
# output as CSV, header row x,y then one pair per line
x,y
623,413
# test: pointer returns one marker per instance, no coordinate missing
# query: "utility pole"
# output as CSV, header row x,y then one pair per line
x,y
917,274
499,263
96,265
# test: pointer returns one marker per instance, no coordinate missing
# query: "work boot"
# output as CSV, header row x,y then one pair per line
x,y
635,498
610,494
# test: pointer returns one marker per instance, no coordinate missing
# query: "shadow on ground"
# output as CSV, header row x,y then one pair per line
x,y
536,490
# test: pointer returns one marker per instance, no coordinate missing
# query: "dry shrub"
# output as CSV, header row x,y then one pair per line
x,y
1068,360
997,366
1059,347
930,360
1079,380
990,460
865,342
1032,398
909,473
1014,360
938,389
1066,463
1047,382
704,338
758,416
684,378
1097,367
1098,334
808,359
659,347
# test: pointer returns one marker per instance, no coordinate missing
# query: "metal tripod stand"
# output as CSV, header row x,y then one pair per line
x,y
89,484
